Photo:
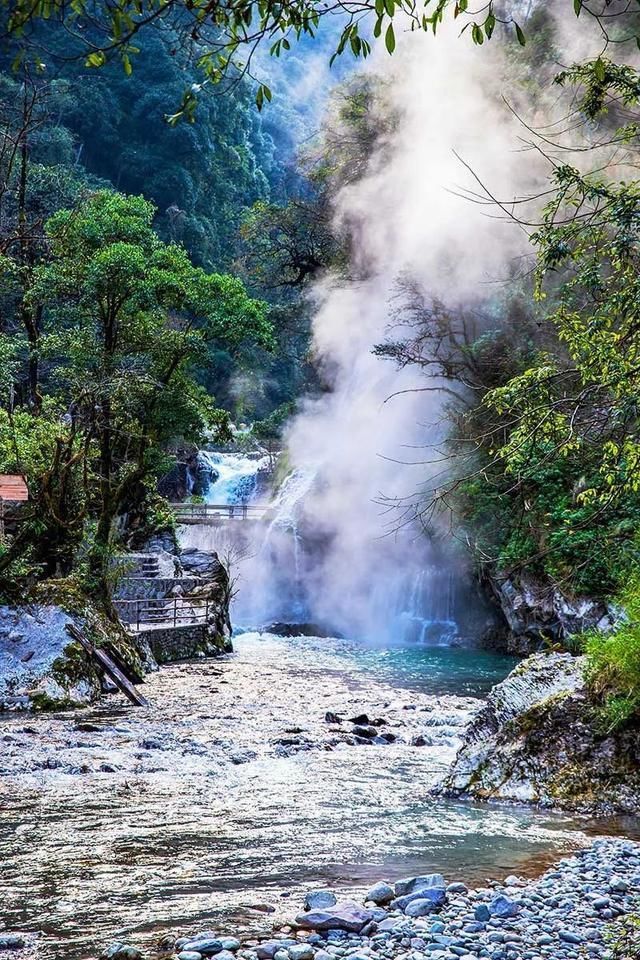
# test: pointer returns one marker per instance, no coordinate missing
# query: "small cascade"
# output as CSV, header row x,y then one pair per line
x,y
282,549
282,572
238,476
425,608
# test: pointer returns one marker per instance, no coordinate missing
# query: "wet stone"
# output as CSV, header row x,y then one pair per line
x,y
204,945
319,899
11,941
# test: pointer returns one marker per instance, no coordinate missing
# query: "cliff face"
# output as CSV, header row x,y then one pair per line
x,y
537,740
537,613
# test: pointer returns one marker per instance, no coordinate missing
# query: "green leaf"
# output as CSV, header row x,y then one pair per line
x,y
96,59
489,25
390,39
599,69
577,7
520,35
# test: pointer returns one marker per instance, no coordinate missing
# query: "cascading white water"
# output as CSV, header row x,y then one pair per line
x,y
277,560
238,475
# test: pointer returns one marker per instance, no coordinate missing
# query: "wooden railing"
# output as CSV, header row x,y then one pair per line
x,y
211,512
162,612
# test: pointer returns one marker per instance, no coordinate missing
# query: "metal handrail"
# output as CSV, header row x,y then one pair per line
x,y
165,611
240,511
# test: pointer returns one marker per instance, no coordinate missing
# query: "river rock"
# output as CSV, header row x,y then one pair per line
x,y
204,945
435,895
316,899
11,941
346,915
268,949
502,907
301,951
422,906
381,893
414,884
121,951
189,955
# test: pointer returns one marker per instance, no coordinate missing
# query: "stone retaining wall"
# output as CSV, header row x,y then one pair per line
x,y
169,644
154,588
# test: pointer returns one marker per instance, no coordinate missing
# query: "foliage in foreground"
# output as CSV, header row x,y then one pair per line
x,y
119,321
613,660
624,938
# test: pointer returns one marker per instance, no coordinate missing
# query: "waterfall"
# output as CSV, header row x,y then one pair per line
x,y
238,476
280,562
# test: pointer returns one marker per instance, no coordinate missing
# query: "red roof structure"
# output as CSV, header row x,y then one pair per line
x,y
13,487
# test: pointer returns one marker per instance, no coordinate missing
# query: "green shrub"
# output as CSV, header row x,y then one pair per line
x,y
613,663
623,937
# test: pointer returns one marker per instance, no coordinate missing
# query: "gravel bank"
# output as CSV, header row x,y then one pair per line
x,y
564,915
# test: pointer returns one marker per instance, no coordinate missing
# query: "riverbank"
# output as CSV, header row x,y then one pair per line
x,y
574,910
237,790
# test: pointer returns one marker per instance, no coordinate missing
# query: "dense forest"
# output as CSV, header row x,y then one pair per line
x,y
107,364
194,210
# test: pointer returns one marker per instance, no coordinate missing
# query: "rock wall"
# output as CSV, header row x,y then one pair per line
x,y
536,613
538,740
185,642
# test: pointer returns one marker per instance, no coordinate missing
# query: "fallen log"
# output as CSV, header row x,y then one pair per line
x,y
105,662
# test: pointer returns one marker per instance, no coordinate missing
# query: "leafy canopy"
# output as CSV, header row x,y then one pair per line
x,y
225,36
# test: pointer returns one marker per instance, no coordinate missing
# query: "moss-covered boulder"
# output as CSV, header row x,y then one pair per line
x,y
539,739
41,667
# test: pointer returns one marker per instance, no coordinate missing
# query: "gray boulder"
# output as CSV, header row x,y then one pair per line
x,y
483,767
301,951
40,665
268,949
435,895
503,907
421,907
121,951
205,945
346,915
381,893
414,884
11,941
317,899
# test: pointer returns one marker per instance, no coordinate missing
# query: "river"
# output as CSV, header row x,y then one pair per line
x,y
231,794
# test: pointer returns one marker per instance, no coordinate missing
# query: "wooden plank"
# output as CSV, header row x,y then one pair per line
x,y
13,488
106,663
128,670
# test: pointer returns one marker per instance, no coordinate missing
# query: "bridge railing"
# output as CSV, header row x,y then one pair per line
x,y
198,512
162,612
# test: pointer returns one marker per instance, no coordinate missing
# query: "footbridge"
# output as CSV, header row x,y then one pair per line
x,y
212,513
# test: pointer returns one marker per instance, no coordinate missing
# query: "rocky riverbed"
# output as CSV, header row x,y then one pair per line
x,y
566,914
294,763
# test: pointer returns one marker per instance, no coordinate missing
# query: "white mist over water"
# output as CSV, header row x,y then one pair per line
x,y
402,217
334,555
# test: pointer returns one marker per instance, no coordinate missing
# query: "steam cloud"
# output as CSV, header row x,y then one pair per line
x,y
404,216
